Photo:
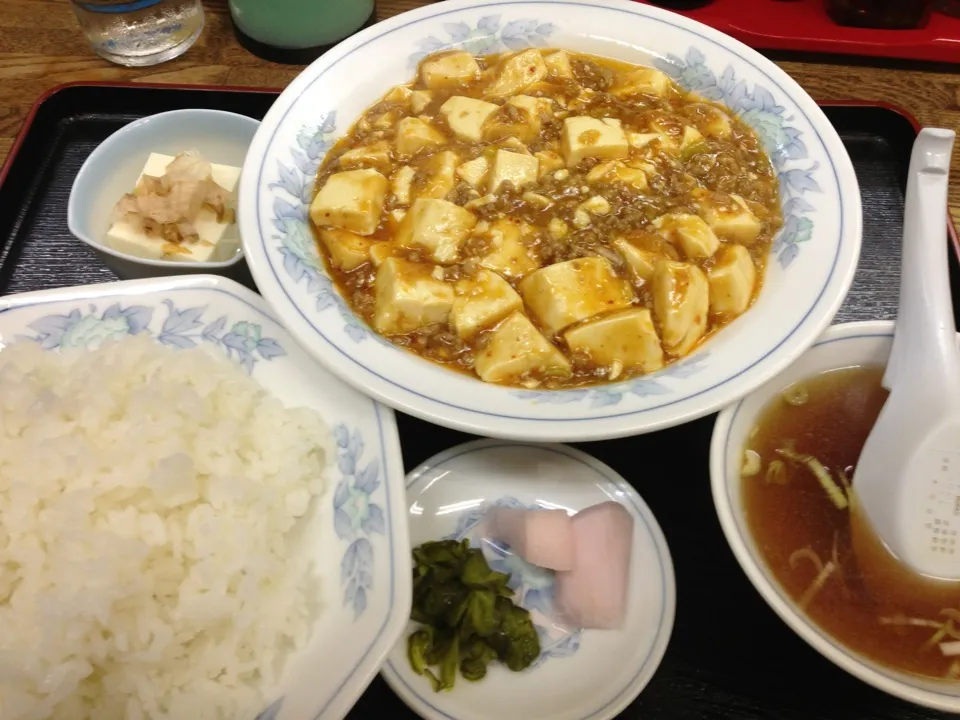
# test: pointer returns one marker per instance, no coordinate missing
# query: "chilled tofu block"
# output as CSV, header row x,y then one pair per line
x,y
441,174
401,184
641,262
452,69
376,155
558,65
625,340
515,72
474,172
481,302
643,81
347,250
415,136
681,303
521,170
585,137
564,293
408,296
216,242
731,219
466,116
351,200
594,593
732,280
509,255
437,226
380,251
541,537
694,236
520,117
516,351
550,162
419,99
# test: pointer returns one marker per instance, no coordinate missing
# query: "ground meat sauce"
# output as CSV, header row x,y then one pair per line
x,y
727,160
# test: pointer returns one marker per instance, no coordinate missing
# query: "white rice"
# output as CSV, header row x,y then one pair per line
x,y
146,565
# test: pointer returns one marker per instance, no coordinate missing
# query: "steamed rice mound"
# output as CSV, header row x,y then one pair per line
x,y
147,568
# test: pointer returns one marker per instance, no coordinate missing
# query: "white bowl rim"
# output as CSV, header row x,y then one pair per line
x,y
558,428
131,127
869,672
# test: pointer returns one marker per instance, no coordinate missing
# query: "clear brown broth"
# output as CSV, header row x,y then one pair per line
x,y
866,603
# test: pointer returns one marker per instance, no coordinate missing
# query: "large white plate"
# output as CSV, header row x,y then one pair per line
x,y
362,549
810,268
591,674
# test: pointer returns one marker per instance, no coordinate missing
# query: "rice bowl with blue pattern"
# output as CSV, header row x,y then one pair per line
x,y
353,539
809,270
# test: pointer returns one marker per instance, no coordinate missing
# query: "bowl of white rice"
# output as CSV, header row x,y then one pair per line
x,y
198,521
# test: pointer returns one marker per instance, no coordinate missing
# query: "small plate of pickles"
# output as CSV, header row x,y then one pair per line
x,y
494,635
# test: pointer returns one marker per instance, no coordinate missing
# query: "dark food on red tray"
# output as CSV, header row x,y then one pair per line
x,y
880,14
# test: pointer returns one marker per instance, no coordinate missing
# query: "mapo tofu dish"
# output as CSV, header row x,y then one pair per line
x,y
546,218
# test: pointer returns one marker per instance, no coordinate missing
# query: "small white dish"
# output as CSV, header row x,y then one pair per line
x,y
362,548
591,674
113,167
809,270
845,345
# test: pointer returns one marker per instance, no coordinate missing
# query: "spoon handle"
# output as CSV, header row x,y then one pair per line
x,y
924,342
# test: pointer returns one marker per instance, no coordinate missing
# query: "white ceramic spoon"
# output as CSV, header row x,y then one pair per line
x,y
907,480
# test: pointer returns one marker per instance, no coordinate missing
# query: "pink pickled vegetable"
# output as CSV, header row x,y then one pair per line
x,y
594,593
541,537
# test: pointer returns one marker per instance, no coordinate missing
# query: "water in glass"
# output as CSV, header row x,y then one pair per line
x,y
140,32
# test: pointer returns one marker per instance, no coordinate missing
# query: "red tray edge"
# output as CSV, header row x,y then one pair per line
x,y
34,109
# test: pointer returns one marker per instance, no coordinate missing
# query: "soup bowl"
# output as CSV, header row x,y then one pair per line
x,y
845,345
809,271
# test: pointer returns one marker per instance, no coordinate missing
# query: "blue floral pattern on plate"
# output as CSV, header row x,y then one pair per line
x,y
488,36
534,587
183,328
759,109
356,518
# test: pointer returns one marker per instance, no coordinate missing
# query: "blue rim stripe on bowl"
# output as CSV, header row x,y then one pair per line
x,y
787,600
594,416
641,511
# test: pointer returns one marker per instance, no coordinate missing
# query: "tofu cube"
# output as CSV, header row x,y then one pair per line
x,y
641,262
376,155
633,177
481,302
643,81
549,162
517,71
585,137
694,236
347,250
520,117
513,145
419,100
379,252
450,69
564,293
408,297
517,351
401,185
626,340
641,140
733,279
731,219
691,142
558,65
415,136
351,200
438,226
521,170
466,116
509,255
474,172
441,174
716,123
681,303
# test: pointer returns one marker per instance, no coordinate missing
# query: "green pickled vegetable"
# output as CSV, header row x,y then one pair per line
x,y
467,615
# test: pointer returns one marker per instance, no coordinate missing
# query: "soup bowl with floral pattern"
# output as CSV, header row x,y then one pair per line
x,y
810,268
